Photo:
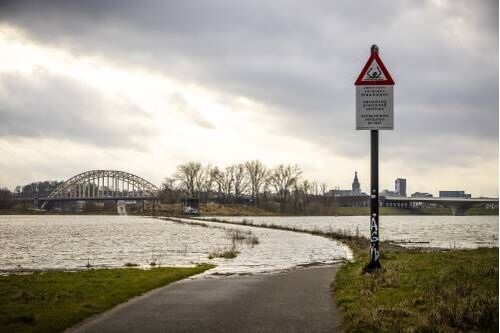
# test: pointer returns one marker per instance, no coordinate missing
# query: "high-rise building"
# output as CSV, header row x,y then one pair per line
x,y
356,186
400,187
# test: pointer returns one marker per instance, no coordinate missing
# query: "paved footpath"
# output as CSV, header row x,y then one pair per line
x,y
294,301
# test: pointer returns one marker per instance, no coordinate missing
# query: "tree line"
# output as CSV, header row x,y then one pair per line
x,y
249,182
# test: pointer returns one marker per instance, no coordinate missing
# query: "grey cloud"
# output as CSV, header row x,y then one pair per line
x,y
303,57
179,104
44,105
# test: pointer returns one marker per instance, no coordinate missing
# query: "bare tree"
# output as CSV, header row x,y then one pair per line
x,y
323,187
204,182
257,175
188,175
168,184
6,200
305,187
224,179
315,188
283,178
169,191
240,179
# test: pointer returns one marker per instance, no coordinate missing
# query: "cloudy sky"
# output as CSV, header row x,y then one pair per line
x,y
143,86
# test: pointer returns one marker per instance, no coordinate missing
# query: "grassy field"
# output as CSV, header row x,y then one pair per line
x,y
243,210
481,211
358,211
419,291
53,301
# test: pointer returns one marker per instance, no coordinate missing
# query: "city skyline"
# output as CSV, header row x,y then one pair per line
x,y
329,187
95,86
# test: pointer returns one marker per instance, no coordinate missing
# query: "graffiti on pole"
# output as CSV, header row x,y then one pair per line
x,y
374,253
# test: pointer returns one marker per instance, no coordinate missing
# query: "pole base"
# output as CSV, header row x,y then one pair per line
x,y
372,267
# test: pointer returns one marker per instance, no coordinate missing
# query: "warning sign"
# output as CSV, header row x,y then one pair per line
x,y
374,96
374,73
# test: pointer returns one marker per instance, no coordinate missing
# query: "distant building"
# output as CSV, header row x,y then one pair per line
x,y
353,192
421,195
350,198
400,187
356,186
454,194
387,193
340,193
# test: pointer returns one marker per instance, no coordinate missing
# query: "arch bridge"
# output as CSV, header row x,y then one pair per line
x,y
103,185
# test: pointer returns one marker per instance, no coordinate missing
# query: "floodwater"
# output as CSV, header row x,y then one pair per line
x,y
411,231
73,242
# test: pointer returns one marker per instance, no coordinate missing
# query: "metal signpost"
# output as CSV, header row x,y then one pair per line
x,y
374,112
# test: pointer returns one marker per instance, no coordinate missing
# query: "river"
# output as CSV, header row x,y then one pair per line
x,y
65,242
72,242
411,230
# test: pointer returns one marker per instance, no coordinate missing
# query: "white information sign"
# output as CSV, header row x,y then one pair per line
x,y
374,107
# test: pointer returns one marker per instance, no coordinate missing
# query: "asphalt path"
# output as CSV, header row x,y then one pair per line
x,y
294,301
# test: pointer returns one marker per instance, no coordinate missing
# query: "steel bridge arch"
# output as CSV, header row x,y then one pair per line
x,y
95,184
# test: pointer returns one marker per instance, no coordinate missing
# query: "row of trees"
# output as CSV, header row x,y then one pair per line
x,y
250,180
6,200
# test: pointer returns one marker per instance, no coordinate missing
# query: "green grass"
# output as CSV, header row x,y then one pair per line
x,y
419,291
53,301
481,211
432,211
359,211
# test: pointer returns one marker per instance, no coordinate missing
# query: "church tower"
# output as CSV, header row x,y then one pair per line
x,y
356,187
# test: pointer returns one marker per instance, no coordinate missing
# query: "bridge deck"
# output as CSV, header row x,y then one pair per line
x,y
440,199
98,198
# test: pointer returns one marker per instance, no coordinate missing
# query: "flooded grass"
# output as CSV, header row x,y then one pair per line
x,y
252,240
131,264
240,236
224,253
53,301
236,236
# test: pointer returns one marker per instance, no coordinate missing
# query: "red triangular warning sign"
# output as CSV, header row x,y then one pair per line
x,y
374,73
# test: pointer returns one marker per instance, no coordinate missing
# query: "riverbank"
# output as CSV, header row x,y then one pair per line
x,y
246,210
53,301
420,290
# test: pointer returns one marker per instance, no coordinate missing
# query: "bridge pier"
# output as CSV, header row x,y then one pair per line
x,y
457,210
